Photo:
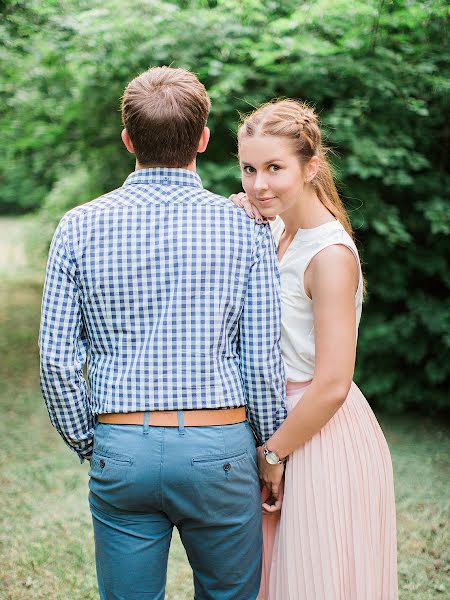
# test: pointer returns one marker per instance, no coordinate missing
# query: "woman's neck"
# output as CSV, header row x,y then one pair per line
x,y
308,213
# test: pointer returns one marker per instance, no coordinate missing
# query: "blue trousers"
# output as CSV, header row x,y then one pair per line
x,y
144,480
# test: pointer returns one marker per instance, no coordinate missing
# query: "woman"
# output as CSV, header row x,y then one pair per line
x,y
336,537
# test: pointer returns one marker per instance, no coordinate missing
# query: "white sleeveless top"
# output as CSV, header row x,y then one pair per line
x,y
297,322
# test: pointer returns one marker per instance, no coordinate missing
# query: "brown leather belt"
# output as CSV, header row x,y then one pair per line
x,y
169,418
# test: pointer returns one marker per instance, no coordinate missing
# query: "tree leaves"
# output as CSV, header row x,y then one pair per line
x,y
377,72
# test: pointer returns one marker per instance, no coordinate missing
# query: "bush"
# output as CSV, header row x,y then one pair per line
x,y
72,189
377,74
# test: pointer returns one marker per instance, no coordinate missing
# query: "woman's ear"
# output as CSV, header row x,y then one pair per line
x,y
312,168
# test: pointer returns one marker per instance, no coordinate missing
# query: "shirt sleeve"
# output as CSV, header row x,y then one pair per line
x,y
62,344
260,330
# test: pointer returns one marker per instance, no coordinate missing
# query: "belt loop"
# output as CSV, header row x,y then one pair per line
x,y
180,423
146,422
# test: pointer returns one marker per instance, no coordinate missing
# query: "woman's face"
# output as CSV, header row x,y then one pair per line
x,y
272,175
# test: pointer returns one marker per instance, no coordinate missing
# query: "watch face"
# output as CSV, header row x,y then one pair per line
x,y
272,458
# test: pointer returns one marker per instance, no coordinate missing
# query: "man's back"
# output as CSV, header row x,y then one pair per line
x,y
172,296
178,295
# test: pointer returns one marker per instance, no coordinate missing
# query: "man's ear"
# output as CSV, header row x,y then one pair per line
x,y
204,139
127,141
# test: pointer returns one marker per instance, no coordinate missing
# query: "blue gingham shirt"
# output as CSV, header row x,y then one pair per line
x,y
172,294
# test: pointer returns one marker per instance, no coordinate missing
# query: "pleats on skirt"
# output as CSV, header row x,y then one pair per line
x,y
336,537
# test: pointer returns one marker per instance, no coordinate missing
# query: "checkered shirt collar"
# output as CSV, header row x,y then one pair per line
x,y
164,176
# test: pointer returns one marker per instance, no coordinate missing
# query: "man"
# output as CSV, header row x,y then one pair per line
x,y
171,293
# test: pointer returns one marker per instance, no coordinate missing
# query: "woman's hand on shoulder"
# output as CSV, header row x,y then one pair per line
x,y
241,200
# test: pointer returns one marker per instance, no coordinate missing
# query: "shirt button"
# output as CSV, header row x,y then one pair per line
x,y
102,463
165,179
226,467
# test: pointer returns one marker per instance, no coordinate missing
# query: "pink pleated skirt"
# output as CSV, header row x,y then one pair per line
x,y
336,537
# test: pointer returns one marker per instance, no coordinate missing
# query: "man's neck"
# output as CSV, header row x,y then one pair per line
x,y
190,167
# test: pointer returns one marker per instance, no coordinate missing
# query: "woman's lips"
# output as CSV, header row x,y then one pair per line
x,y
264,200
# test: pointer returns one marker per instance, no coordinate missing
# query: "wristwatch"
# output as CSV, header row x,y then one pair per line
x,y
272,457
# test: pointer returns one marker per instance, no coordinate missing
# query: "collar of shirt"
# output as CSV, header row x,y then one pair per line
x,y
164,176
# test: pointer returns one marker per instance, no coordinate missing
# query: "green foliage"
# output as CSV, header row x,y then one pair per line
x,y
376,71
71,189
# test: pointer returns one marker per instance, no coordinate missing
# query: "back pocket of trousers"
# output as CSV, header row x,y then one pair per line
x,y
225,484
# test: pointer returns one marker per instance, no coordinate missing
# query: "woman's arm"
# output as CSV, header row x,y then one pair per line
x,y
331,281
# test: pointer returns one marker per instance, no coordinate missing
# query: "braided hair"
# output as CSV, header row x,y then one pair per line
x,y
298,122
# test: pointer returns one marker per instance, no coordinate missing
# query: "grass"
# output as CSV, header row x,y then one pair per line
x,y
46,545
46,542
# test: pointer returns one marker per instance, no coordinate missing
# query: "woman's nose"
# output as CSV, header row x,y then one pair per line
x,y
260,183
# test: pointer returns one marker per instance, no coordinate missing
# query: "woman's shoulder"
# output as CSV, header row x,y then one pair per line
x,y
334,256
336,259
333,235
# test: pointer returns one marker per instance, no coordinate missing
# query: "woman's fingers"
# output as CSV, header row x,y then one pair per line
x,y
251,210
248,207
237,199
271,508
271,504
259,218
242,201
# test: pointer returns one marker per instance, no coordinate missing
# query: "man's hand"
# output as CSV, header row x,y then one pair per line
x,y
271,477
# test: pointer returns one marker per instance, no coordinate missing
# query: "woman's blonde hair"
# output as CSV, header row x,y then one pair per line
x,y
299,123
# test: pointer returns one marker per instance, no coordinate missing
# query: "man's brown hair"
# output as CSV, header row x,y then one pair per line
x,y
165,111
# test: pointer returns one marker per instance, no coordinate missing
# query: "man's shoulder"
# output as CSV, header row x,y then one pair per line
x,y
260,233
121,199
238,215
109,201
217,199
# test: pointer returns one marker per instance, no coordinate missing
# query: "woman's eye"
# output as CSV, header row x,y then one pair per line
x,y
248,170
274,168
